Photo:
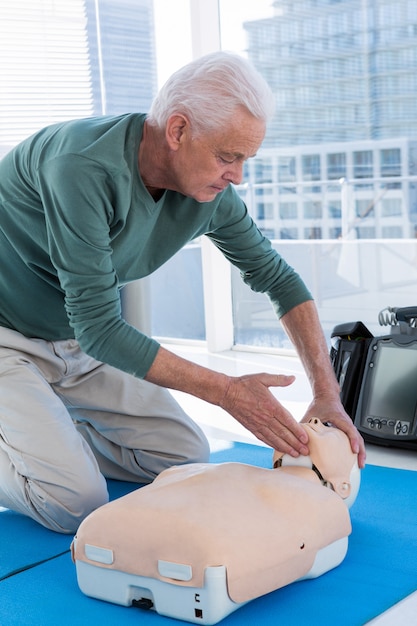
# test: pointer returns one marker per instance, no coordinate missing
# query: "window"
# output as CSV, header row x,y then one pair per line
x,y
391,207
364,208
313,232
45,66
392,232
335,75
336,165
335,209
288,233
286,168
184,299
365,232
312,209
264,170
311,167
335,233
268,209
342,88
363,164
390,162
288,210
61,60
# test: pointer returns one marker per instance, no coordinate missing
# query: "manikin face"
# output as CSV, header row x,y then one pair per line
x,y
205,165
330,455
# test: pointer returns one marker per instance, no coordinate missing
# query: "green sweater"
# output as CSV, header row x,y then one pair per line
x,y
77,223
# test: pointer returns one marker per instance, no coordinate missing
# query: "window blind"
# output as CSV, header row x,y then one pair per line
x,y
45,73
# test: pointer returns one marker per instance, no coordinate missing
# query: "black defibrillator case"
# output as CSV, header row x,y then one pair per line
x,y
378,377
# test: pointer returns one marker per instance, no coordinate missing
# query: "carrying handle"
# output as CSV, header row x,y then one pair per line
x,y
392,316
406,313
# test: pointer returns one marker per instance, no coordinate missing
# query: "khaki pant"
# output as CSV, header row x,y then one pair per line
x,y
67,421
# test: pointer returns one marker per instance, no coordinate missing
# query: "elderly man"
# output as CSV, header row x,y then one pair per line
x,y
89,205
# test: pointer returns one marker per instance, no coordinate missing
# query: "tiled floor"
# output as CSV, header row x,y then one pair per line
x,y
221,426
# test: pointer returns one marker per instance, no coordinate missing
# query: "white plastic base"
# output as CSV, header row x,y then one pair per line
x,y
200,606
208,605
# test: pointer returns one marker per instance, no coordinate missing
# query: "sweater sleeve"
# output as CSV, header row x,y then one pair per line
x,y
78,199
262,268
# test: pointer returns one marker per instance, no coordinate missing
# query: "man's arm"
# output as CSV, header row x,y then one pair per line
x,y
247,398
303,328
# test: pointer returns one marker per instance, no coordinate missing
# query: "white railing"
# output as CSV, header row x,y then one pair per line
x,y
384,207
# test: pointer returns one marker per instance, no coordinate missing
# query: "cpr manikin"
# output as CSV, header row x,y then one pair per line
x,y
204,539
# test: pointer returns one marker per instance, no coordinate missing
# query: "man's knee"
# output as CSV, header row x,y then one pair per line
x,y
62,509
189,446
191,449
199,450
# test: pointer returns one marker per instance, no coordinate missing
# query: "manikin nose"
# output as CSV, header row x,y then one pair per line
x,y
316,424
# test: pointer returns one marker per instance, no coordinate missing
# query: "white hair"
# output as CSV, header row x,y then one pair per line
x,y
210,89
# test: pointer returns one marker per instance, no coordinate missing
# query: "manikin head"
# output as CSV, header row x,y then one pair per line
x,y
331,458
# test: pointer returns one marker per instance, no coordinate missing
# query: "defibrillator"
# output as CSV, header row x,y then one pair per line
x,y
378,377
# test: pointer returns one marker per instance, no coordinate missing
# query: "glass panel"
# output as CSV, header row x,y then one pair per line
x,y
287,210
391,162
335,208
345,94
363,164
391,206
336,165
177,304
350,280
311,167
312,209
286,168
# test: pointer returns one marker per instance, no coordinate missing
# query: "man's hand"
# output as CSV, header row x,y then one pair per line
x,y
249,400
329,409
303,328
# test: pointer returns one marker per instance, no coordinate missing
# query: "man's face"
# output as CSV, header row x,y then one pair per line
x,y
205,165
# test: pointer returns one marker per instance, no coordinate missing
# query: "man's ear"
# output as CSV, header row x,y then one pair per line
x,y
177,129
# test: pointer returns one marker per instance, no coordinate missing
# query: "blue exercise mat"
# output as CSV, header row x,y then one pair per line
x,y
25,543
378,571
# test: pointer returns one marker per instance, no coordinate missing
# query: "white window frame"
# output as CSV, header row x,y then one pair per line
x,y
217,282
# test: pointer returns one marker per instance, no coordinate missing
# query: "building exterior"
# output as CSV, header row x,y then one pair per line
x,y
121,40
361,189
343,74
